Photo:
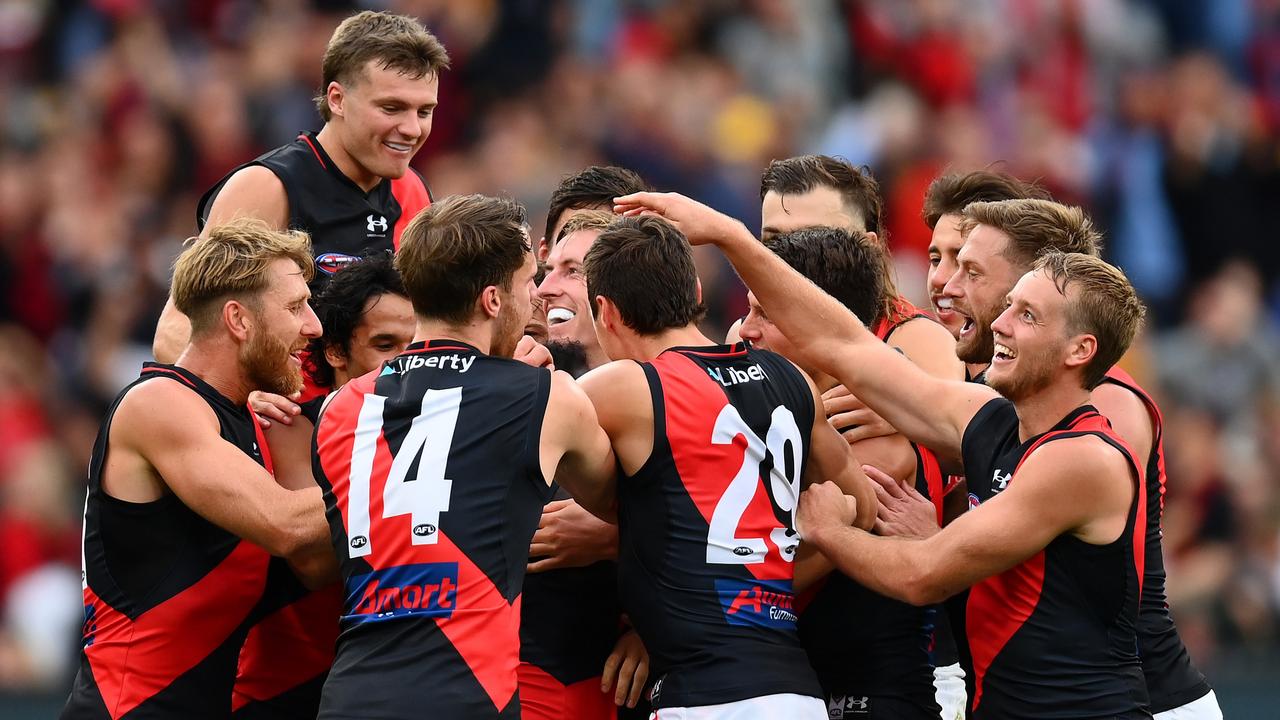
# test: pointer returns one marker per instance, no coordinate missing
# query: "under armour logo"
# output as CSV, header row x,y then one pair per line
x,y
999,482
376,223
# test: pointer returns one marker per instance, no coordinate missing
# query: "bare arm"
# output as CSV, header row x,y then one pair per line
x,y
213,477
930,346
1128,415
928,410
254,191
577,450
1080,486
831,459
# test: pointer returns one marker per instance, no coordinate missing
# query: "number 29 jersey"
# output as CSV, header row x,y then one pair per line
x,y
433,488
707,529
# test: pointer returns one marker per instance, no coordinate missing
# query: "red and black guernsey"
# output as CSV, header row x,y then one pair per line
x,y
706,527
868,647
289,648
1172,681
570,619
1056,635
433,488
343,220
168,595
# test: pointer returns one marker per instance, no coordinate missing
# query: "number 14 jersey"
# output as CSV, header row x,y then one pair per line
x,y
707,529
433,488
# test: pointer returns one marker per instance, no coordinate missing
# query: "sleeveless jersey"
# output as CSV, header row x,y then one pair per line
x,y
343,220
433,488
867,647
1056,635
167,594
706,527
289,649
1172,680
570,619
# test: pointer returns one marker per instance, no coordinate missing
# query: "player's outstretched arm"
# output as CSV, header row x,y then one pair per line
x,y
254,191
213,477
926,409
576,451
1080,486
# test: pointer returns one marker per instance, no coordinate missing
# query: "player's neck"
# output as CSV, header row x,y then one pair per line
x,y
1040,412
479,337
648,347
355,172
976,369
219,366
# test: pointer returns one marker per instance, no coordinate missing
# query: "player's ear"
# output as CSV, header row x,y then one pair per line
x,y
873,237
607,312
335,96
489,303
544,249
698,285
334,356
238,318
1080,350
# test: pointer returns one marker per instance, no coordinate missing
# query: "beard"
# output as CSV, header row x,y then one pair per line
x,y
508,330
265,359
978,346
1035,374
569,355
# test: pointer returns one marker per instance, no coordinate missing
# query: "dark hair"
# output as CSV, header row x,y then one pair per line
x,y
798,175
861,195
949,194
644,265
590,189
845,265
456,248
397,42
341,305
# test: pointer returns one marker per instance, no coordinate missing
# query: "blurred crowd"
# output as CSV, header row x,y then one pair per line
x,y
1162,117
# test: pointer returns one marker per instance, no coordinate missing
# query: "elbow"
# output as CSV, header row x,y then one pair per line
x,y
921,588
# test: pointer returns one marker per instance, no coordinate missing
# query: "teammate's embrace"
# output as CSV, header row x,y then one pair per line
x,y
435,471
713,441
181,512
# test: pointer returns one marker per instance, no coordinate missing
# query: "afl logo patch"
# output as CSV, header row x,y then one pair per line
x,y
359,541
330,263
974,501
424,529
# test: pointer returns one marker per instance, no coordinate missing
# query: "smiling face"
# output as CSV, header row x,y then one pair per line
x,y
386,327
1031,338
943,248
977,291
283,323
564,294
383,118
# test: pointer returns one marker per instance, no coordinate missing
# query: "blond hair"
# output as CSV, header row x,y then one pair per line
x,y
1104,305
586,220
1034,227
231,264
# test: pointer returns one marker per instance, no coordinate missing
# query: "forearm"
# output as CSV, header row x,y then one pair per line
x,y
800,309
829,337
173,332
892,567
